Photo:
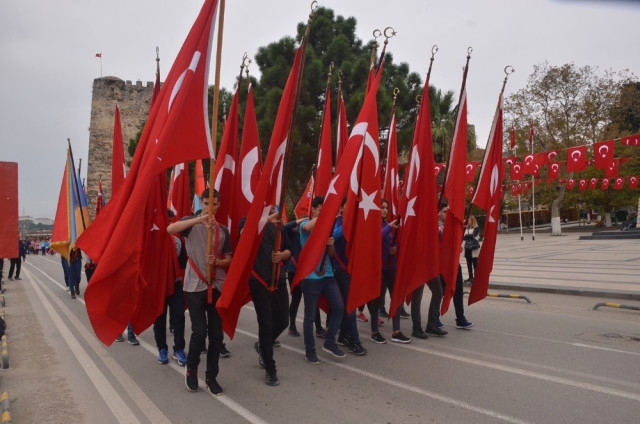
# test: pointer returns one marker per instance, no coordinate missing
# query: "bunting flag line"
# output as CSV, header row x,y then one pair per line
x,y
177,130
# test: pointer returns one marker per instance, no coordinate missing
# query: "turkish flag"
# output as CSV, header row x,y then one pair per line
x,y
225,172
576,158
571,183
470,171
611,169
630,140
553,170
633,182
510,160
356,173
438,168
488,197
324,168
603,153
177,130
118,168
267,194
514,189
604,184
303,207
418,232
454,189
250,163
618,184
342,131
582,184
179,200
198,186
546,157
528,164
592,183
390,189
516,171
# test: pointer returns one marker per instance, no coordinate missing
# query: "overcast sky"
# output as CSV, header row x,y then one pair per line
x,y
48,58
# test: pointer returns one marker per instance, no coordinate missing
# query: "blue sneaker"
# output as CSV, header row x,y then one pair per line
x,y
464,324
439,324
163,357
312,358
333,349
179,356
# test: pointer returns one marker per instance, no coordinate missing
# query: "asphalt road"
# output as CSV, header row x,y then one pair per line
x,y
554,360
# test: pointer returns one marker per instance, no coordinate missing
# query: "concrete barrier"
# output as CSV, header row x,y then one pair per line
x,y
5,404
615,305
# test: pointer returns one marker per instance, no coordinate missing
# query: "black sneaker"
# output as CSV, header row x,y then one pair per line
x,y
293,332
400,338
382,313
120,339
191,378
18,278
224,353
133,340
312,358
357,349
213,387
77,289
276,343
73,295
419,334
256,346
377,337
432,329
333,349
271,378
404,314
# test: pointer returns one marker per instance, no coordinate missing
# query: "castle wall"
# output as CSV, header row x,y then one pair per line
x,y
133,100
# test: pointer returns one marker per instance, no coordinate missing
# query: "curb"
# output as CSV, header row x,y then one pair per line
x,y
5,404
607,294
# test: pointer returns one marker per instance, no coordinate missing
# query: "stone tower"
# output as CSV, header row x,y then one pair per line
x,y
133,100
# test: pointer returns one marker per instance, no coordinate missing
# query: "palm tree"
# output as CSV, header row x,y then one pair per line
x,y
443,118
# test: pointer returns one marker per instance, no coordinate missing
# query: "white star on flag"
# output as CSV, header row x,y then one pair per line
x,y
368,202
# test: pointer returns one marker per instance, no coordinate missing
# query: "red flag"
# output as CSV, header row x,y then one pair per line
x,y
513,136
438,167
98,54
510,160
225,172
66,225
592,183
576,158
571,183
419,212
546,157
528,164
236,290
250,163
630,140
177,130
514,190
198,186
582,184
516,171
454,188
179,200
303,207
553,170
488,197
603,153
531,135
343,133
470,171
633,182
118,168
611,169
99,199
604,184
390,189
618,184
325,156
363,137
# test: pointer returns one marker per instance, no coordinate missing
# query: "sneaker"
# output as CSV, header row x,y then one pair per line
x,y
380,322
321,332
163,357
213,387
383,313
256,346
362,317
276,343
18,278
464,324
439,324
432,329
170,328
73,295
357,349
312,358
179,356
333,349
77,289
342,341
404,314
191,379
119,339
133,340
293,332
400,338
224,353
377,337
419,334
271,379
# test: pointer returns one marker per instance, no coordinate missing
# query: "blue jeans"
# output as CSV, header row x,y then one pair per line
x,y
348,326
311,291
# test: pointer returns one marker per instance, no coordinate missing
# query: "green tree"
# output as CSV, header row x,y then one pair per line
x,y
569,106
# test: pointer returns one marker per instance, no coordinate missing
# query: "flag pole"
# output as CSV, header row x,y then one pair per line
x,y
533,191
214,132
287,155
314,168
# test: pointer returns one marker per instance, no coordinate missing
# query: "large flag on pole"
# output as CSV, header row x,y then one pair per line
x,y
236,289
179,200
250,163
198,186
177,130
454,192
324,168
391,179
419,213
488,195
360,156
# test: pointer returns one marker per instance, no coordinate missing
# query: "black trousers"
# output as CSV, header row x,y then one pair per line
x,y
205,322
175,302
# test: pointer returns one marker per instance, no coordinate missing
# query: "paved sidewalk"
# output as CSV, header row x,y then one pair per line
x,y
564,264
